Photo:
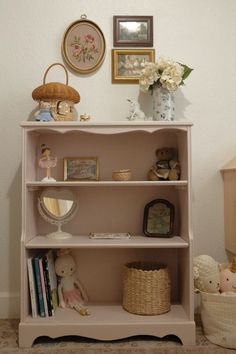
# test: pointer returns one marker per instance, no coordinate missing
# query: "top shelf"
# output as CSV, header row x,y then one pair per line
x,y
105,127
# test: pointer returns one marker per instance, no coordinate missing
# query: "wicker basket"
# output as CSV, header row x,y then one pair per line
x,y
121,175
146,288
61,97
218,316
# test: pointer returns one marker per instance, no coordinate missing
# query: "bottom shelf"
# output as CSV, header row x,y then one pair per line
x,y
108,323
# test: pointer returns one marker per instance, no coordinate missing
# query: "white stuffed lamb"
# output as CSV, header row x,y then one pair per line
x,y
206,274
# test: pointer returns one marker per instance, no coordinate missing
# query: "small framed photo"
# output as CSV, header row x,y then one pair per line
x,y
127,64
158,218
133,31
81,169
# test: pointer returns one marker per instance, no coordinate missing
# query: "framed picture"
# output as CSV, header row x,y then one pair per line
x,y
158,218
81,169
133,31
83,46
128,63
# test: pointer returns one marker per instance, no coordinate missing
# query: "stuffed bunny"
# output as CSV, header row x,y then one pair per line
x,y
70,291
206,274
228,278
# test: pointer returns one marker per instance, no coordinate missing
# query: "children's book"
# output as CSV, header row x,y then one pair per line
x,y
32,288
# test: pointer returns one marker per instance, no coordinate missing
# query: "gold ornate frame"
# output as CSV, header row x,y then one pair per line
x,y
124,72
83,46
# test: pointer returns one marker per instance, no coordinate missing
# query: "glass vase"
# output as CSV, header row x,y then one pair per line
x,y
163,104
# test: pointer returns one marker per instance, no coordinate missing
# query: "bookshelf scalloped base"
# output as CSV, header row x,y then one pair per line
x,y
108,323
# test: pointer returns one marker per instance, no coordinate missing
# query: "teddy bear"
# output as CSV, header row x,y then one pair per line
x,y
206,273
70,291
167,166
228,278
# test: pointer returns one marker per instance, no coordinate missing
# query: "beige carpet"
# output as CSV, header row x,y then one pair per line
x,y
78,345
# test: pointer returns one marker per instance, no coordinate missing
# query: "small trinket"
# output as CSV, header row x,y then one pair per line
x,y
47,161
84,117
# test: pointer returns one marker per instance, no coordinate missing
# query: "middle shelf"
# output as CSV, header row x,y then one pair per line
x,y
37,184
85,242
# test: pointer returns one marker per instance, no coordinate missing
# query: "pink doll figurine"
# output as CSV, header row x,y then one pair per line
x,y
228,279
47,161
70,291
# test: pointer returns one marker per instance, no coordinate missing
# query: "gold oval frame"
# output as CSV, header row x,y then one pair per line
x,y
83,53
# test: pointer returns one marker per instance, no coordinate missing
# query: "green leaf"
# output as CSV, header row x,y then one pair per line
x,y
187,71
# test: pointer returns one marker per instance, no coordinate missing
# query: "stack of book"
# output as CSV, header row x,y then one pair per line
x,y
42,284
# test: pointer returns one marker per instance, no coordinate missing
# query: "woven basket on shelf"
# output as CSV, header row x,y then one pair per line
x,y
146,288
218,316
61,97
121,175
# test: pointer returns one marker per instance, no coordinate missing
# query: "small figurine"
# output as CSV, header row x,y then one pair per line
x,y
44,114
47,161
167,166
84,117
135,111
228,279
206,274
70,291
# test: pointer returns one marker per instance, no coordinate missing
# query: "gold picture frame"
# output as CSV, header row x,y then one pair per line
x,y
84,46
81,169
128,63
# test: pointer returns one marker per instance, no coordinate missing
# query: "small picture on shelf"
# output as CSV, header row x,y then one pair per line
x,y
81,169
158,218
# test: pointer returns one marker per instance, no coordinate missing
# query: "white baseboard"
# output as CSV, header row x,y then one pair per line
x,y
9,305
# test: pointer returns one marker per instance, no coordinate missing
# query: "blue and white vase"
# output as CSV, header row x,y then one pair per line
x,y
163,104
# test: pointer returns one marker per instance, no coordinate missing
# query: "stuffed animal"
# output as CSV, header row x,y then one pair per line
x,y
44,114
167,166
228,278
70,291
206,274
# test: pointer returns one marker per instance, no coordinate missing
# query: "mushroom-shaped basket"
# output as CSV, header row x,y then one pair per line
x,y
61,97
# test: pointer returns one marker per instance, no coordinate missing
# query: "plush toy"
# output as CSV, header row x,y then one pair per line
x,y
206,274
44,114
70,291
228,279
167,166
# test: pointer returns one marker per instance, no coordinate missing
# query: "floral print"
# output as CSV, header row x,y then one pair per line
x,y
84,48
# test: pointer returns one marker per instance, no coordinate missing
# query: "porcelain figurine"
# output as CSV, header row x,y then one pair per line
x,y
47,161
135,111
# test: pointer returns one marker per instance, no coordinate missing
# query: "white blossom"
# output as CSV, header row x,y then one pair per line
x,y
165,72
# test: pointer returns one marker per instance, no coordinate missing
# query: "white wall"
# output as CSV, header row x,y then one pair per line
x,y
199,33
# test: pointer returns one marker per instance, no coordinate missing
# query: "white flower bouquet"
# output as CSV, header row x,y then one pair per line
x,y
164,73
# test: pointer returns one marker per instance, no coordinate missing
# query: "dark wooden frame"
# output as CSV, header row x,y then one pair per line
x,y
146,215
119,42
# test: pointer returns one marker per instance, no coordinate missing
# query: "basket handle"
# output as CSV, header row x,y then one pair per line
x,y
46,72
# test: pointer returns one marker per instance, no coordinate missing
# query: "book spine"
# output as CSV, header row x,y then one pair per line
x,y
43,286
38,287
52,279
32,289
47,286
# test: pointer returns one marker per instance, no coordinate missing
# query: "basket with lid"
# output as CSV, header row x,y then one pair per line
x,y
146,288
60,97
